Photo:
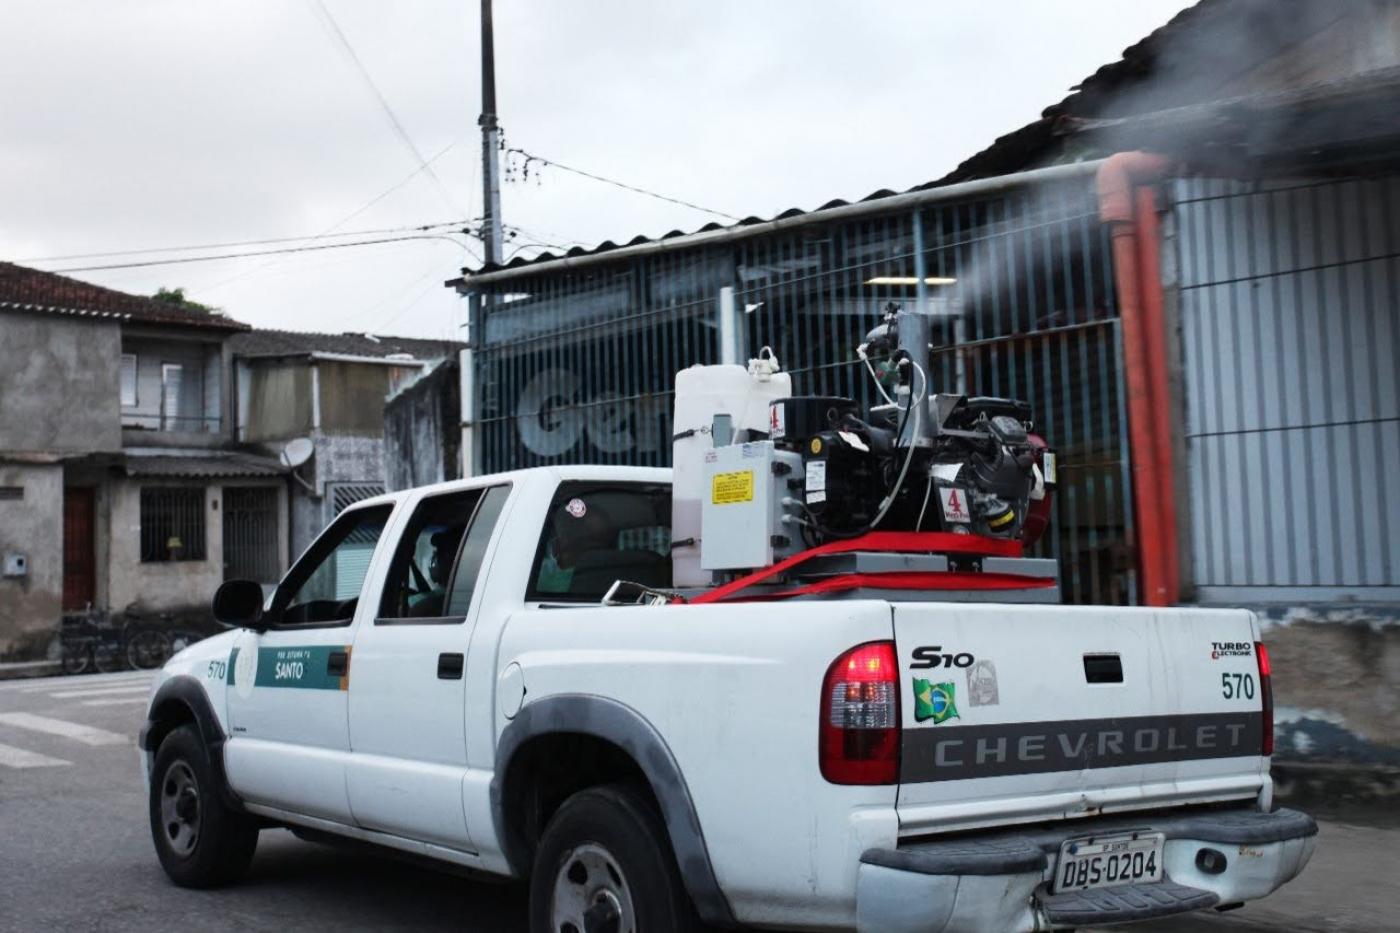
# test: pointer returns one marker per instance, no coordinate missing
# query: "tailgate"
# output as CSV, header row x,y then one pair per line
x,y
1019,713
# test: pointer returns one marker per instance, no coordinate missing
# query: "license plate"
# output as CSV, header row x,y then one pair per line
x,y
1105,861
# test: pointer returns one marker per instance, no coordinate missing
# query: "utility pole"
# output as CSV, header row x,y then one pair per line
x,y
490,143
477,302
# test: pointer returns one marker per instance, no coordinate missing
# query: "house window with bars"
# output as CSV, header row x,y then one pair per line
x,y
172,524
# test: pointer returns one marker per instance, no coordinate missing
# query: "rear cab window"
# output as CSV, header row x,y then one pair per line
x,y
597,533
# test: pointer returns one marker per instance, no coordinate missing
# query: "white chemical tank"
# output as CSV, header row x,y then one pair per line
x,y
701,393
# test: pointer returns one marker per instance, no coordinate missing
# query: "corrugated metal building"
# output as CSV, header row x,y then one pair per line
x,y
1212,345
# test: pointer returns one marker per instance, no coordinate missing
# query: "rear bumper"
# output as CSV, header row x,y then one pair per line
x,y
1000,881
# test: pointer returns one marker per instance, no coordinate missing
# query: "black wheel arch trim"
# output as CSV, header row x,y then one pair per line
x,y
626,728
185,691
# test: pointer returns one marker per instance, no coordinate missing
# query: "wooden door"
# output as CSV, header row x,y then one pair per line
x,y
79,558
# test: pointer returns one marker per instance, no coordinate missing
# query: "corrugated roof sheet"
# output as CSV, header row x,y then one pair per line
x,y
213,465
296,343
25,289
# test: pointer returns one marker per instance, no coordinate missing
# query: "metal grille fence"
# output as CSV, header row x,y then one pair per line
x,y
576,364
250,534
344,495
1290,315
172,524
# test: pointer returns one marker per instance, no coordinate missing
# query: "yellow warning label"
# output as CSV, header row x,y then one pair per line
x,y
727,488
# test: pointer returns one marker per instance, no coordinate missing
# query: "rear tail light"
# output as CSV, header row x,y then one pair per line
x,y
1266,692
859,741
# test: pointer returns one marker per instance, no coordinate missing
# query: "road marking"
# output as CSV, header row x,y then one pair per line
x,y
110,700
88,735
82,682
100,691
11,757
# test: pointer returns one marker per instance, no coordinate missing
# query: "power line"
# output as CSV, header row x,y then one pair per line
x,y
264,252
344,220
421,228
334,30
530,157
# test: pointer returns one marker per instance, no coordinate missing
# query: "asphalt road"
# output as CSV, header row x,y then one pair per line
x,y
75,850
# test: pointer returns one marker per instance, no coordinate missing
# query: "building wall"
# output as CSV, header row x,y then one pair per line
x,y
356,463
160,585
206,409
31,605
59,383
1290,323
352,395
420,430
1288,299
200,403
278,404
1336,681
177,586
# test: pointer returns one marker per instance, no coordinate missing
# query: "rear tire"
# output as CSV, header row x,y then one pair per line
x,y
605,865
200,841
147,649
76,658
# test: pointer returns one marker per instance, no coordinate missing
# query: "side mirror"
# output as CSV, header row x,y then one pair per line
x,y
239,603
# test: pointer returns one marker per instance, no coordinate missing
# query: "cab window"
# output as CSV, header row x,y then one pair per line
x,y
459,597
598,533
416,587
434,570
324,586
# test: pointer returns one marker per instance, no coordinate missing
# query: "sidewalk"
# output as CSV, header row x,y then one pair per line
x,y
12,670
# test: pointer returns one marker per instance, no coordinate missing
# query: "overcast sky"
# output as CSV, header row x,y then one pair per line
x,y
152,123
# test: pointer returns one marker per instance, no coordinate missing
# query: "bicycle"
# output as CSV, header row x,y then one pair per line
x,y
92,641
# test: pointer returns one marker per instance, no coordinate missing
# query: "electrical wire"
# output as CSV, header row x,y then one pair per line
x,y
418,228
917,405
531,157
860,352
338,35
262,252
928,488
329,231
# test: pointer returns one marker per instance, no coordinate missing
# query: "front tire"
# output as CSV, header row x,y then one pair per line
x,y
200,841
605,865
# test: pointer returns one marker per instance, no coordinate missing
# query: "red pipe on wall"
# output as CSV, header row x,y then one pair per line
x,y
1127,204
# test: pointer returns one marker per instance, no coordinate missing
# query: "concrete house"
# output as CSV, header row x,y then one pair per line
x,y
119,481
324,393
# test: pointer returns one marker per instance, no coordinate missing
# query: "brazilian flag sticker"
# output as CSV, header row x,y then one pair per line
x,y
933,701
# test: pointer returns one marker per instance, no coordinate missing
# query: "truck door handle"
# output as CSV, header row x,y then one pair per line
x,y
449,666
1103,668
337,663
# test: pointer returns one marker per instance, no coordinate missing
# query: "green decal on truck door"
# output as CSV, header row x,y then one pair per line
x,y
306,667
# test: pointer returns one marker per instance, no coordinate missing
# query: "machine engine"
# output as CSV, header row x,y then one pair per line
x,y
979,471
825,470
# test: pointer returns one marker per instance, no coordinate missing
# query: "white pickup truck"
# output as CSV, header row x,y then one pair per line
x,y
436,675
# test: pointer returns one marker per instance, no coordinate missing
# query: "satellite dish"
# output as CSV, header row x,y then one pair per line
x,y
297,452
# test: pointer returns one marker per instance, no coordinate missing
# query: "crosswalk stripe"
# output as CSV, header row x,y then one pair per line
x,y
108,701
88,735
91,682
11,757
100,691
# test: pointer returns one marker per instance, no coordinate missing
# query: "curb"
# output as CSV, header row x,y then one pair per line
x,y
19,670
